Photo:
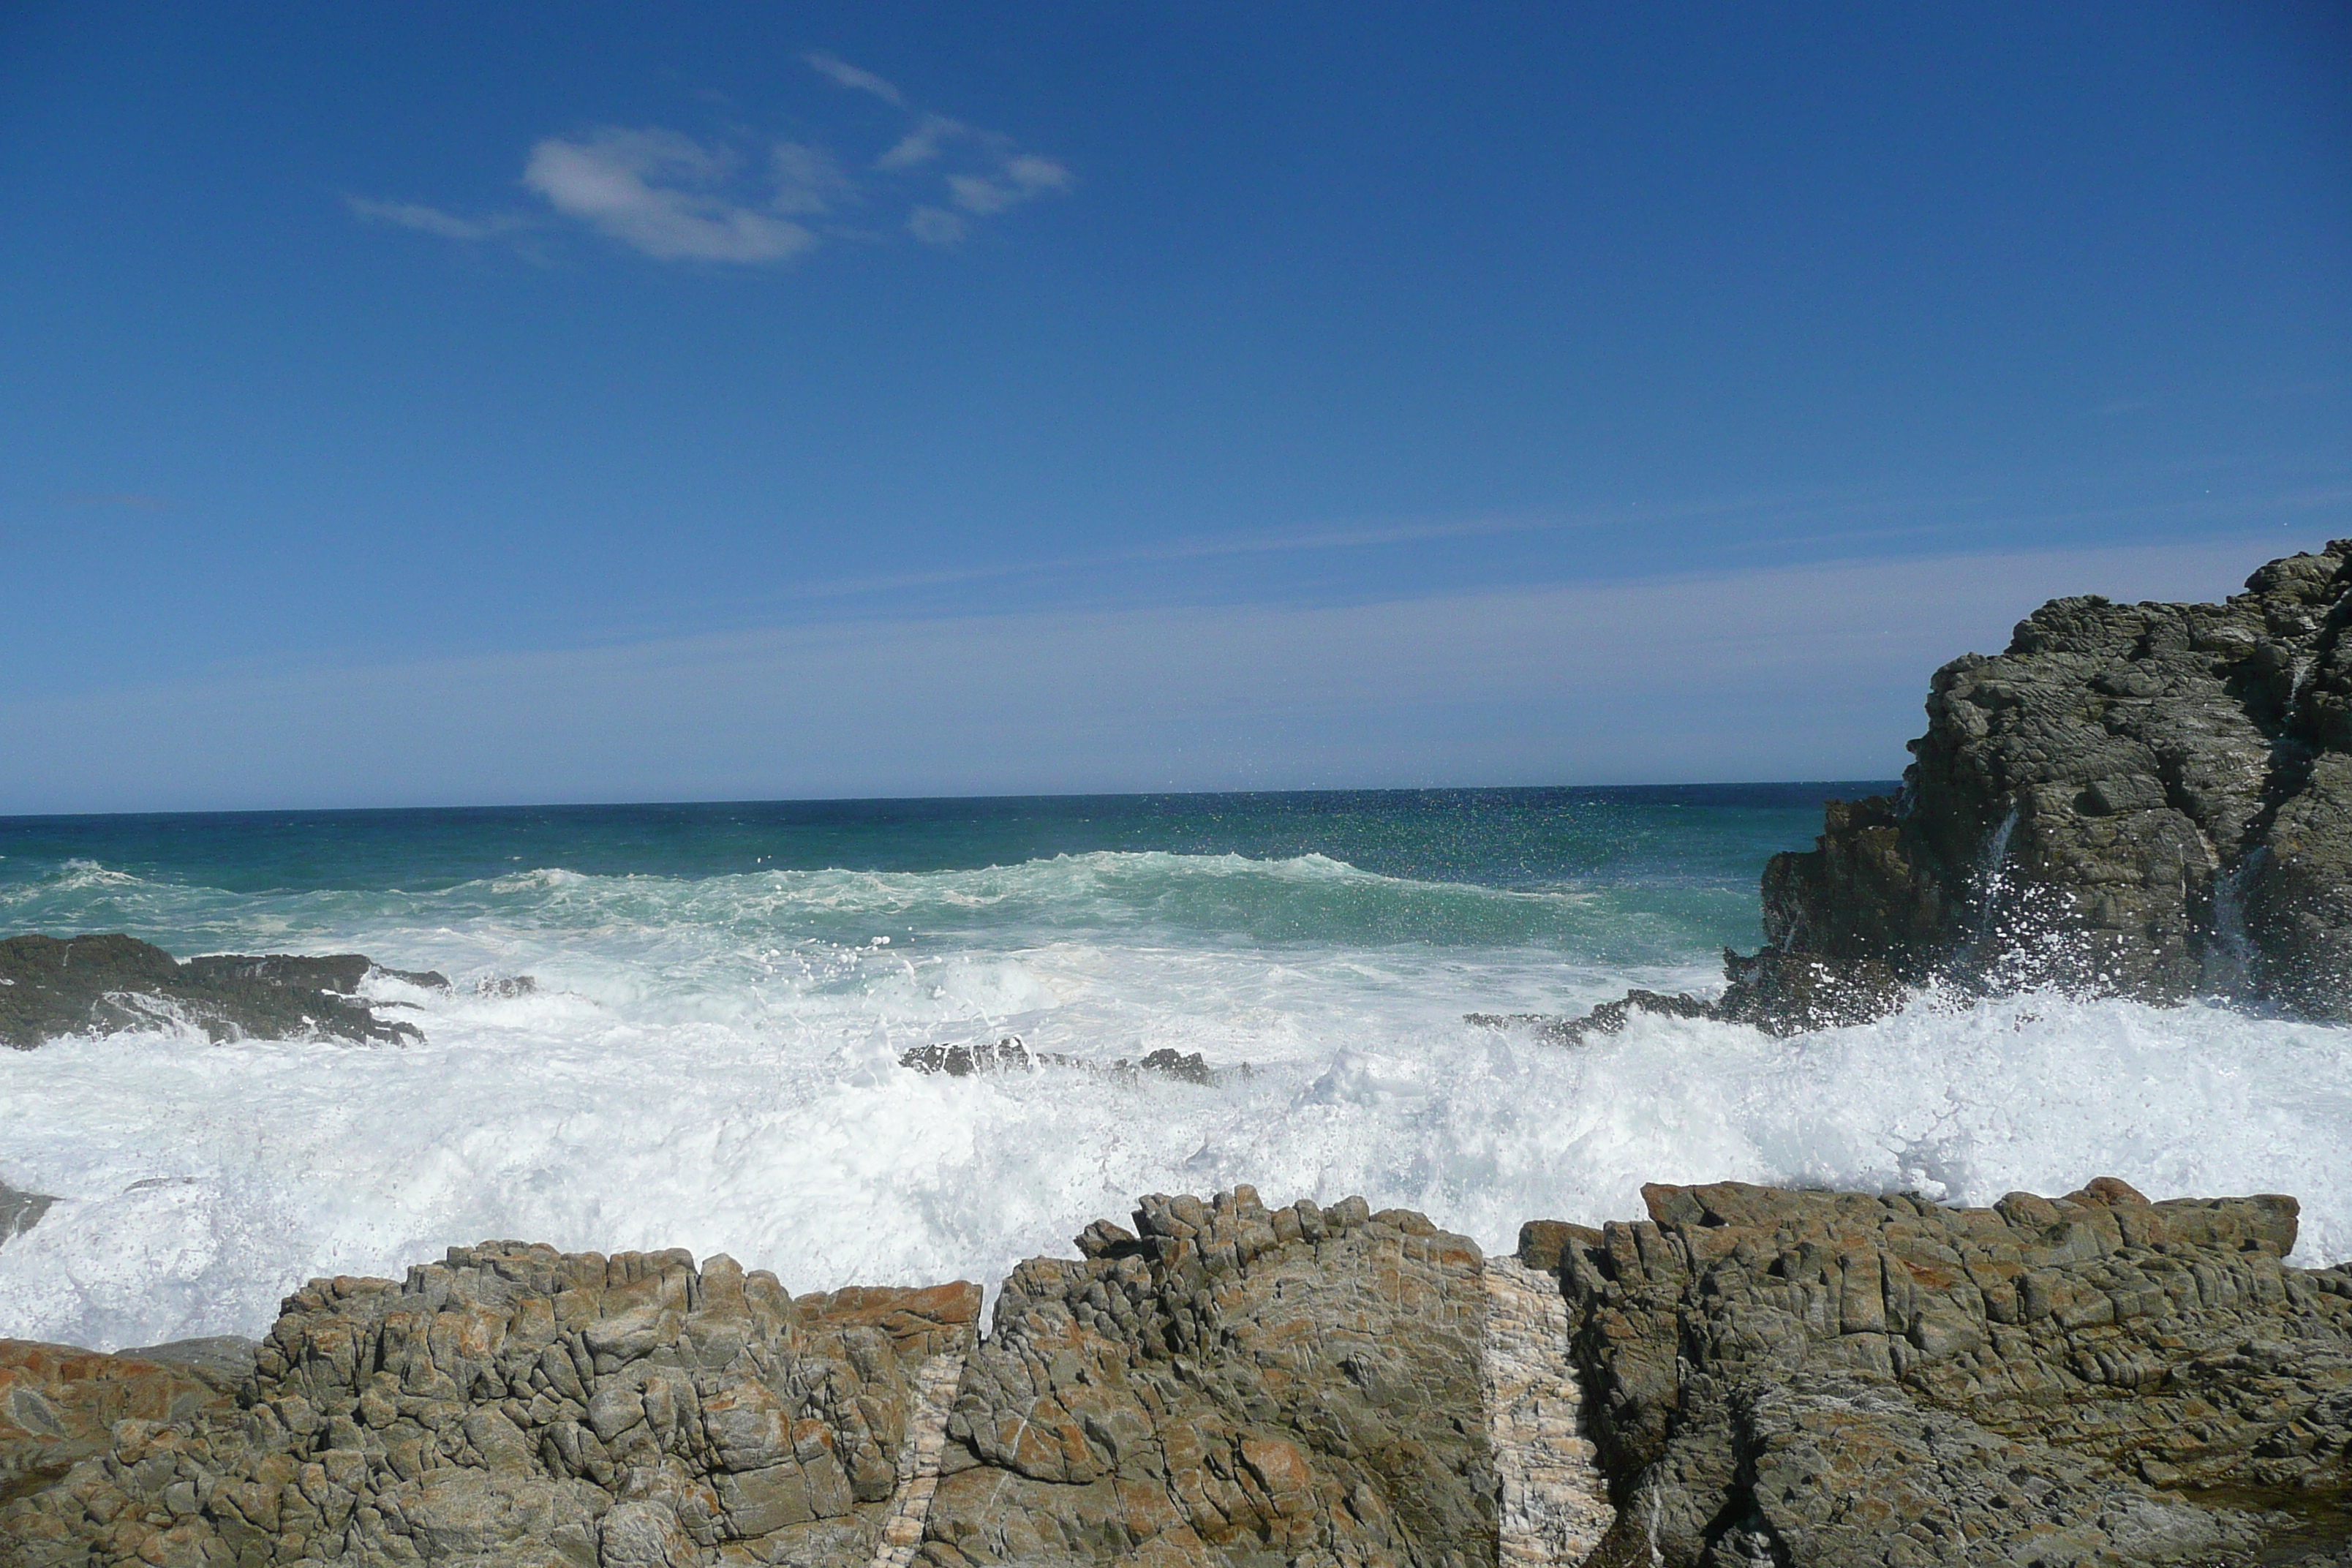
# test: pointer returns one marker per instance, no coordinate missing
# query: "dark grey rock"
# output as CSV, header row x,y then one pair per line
x,y
222,1360
1011,1054
2151,800
1829,1380
104,983
2142,800
20,1211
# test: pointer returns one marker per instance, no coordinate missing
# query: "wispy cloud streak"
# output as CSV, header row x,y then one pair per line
x,y
1592,683
728,200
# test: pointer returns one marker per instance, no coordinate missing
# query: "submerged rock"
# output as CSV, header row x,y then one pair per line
x,y
1012,1054
1839,1379
20,1211
52,986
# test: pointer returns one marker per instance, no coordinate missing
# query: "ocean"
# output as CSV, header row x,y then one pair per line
x,y
709,1055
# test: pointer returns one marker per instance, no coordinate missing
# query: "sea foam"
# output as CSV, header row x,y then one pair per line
x,y
712,1064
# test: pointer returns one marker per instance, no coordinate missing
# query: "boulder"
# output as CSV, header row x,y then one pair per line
x,y
1827,1380
2145,800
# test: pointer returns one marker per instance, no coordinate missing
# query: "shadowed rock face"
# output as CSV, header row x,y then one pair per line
x,y
1233,1384
51,986
513,1405
2141,800
2154,800
1838,1379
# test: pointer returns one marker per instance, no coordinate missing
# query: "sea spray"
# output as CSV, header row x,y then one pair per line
x,y
711,1061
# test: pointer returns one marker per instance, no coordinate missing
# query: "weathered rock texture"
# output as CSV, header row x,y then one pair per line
x,y
1553,1504
1822,1380
513,1406
99,985
1751,1377
1235,1385
2149,799
2142,800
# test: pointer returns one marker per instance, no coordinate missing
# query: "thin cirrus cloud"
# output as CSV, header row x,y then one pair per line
x,y
432,220
667,196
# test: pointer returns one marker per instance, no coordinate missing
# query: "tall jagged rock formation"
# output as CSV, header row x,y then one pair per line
x,y
2152,800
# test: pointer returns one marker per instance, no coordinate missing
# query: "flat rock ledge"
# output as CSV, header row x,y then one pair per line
x,y
1749,1376
1835,1379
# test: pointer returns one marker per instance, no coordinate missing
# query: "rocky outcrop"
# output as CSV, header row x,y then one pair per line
x,y
51,986
512,1405
1748,1377
1228,1383
1838,1379
2145,799
2154,800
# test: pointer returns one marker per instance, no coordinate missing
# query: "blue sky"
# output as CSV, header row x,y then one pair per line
x,y
407,404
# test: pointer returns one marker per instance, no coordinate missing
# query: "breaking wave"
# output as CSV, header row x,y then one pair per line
x,y
711,1062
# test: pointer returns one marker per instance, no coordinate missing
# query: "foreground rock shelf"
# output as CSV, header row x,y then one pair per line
x,y
1746,1376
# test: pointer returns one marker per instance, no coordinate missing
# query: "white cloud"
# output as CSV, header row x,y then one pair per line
x,y
922,143
657,191
849,75
935,225
669,196
432,220
808,179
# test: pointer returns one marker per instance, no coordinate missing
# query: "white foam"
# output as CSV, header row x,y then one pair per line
x,y
698,1070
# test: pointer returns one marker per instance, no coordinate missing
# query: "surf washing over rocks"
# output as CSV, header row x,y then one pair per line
x,y
712,1062
1976,986
661,1025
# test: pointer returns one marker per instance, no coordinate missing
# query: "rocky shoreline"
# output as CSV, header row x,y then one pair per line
x,y
1747,1375
2151,800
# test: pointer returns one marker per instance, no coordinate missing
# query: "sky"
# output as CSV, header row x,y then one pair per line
x,y
448,404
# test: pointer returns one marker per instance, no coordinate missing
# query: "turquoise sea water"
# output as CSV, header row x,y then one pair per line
x,y
709,1056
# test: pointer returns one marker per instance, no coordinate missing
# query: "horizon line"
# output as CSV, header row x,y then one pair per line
x,y
7,819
